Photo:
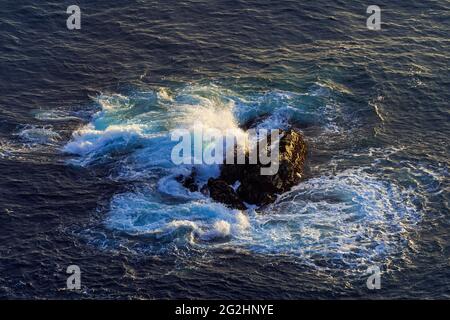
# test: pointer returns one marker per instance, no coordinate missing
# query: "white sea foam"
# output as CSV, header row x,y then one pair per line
x,y
139,213
56,115
352,216
6,149
88,139
39,135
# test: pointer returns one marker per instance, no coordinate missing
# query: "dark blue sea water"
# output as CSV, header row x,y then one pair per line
x,y
85,170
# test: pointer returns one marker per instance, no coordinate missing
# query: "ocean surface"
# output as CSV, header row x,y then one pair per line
x,y
85,171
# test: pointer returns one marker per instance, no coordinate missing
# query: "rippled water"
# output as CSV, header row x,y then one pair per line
x,y
85,120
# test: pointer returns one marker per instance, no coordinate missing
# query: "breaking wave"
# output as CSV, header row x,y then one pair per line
x,y
348,216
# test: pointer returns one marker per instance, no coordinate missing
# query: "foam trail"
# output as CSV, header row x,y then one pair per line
x,y
39,135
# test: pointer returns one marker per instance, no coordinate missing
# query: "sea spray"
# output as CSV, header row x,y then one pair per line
x,y
348,217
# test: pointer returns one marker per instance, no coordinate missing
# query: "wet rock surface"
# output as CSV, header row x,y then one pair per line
x,y
189,182
255,188
259,189
221,191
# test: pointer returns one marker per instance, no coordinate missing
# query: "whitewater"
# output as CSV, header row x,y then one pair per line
x,y
348,215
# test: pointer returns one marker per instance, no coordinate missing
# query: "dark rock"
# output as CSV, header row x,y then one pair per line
x,y
220,191
254,187
189,182
204,189
262,189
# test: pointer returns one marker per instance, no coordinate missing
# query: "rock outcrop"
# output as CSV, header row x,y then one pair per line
x,y
189,182
221,191
255,188
262,189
